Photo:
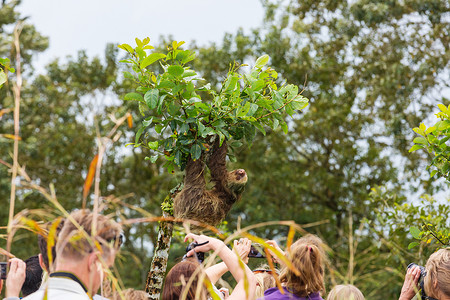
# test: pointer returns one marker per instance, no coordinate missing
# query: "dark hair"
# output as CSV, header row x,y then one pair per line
x,y
178,277
33,276
42,243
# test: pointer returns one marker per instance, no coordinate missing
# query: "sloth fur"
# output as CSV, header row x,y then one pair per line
x,y
195,202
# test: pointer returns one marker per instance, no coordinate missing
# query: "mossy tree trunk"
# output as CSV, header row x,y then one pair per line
x,y
155,277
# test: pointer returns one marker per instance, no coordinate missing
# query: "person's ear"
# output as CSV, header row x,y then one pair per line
x,y
435,284
92,261
41,263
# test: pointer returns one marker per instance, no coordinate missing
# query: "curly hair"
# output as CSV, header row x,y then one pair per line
x,y
438,273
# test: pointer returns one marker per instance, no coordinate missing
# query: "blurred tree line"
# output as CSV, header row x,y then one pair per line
x,y
373,71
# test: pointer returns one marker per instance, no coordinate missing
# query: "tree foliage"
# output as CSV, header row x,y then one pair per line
x,y
172,103
434,139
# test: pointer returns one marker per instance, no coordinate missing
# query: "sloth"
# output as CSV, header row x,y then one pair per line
x,y
196,202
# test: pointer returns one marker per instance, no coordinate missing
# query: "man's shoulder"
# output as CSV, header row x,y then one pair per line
x,y
59,288
53,295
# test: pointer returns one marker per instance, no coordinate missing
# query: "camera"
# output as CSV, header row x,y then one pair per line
x,y
423,273
3,270
256,251
200,255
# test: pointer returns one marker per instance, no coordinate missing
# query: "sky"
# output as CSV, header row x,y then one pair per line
x,y
73,25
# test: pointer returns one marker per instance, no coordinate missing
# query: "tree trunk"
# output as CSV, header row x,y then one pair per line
x,y
155,277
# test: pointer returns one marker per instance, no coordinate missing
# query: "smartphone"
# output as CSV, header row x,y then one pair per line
x,y
3,270
256,251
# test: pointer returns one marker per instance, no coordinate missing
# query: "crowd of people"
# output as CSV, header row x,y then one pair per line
x,y
87,244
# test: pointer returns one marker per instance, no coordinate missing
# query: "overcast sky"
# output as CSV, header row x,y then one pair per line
x,y
73,25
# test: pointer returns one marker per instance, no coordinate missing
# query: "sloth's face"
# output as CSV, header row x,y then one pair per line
x,y
237,180
240,176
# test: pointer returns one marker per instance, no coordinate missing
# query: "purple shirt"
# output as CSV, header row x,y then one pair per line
x,y
275,294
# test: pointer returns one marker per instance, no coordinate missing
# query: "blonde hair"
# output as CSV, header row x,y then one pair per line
x,y
438,271
264,281
307,256
130,294
345,292
75,244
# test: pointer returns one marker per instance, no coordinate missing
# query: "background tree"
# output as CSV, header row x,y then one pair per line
x,y
368,64
62,109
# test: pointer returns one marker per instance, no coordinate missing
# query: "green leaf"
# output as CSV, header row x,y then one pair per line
x,y
166,84
151,98
416,147
196,151
126,47
422,127
3,77
151,59
433,173
236,144
420,140
257,85
284,127
262,61
153,158
183,128
202,106
249,132
253,108
133,96
275,124
175,70
243,110
177,157
443,108
444,125
415,232
260,127
159,128
143,108
147,122
153,145
138,135
138,42
419,131
413,244
430,130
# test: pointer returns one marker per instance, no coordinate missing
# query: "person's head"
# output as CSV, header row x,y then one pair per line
x,y
130,294
307,257
33,277
85,252
345,292
437,280
264,280
178,279
42,243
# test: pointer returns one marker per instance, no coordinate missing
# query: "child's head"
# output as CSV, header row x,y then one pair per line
x,y
345,292
307,256
264,280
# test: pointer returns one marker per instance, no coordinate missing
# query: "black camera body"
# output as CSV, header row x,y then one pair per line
x,y
423,273
3,270
200,255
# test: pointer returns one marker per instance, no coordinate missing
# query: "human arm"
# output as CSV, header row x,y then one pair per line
x,y
409,288
239,272
242,248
